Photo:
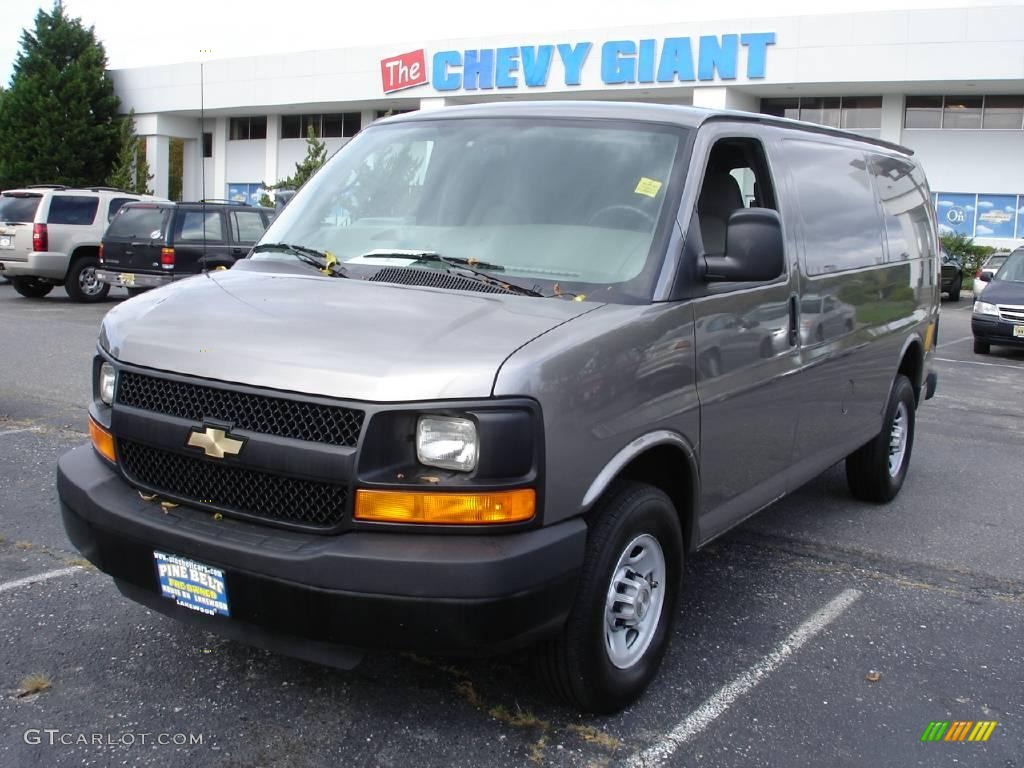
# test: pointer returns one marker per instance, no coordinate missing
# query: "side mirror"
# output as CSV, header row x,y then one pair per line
x,y
985,277
753,248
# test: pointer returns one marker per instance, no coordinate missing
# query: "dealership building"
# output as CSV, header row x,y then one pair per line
x,y
947,82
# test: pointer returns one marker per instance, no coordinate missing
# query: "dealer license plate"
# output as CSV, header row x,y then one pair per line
x,y
128,279
191,584
1018,331
6,242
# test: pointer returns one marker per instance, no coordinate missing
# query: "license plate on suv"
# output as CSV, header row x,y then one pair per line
x,y
191,584
1018,331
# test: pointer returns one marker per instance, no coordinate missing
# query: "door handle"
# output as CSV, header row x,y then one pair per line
x,y
793,337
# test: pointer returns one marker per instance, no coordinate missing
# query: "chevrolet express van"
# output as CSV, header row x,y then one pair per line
x,y
497,370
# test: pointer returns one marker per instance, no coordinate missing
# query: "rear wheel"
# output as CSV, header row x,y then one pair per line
x,y
82,283
876,471
620,623
981,347
954,289
31,287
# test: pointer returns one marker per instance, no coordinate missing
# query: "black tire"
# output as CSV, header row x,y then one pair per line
x,y
576,665
82,284
867,469
31,287
954,289
133,292
981,347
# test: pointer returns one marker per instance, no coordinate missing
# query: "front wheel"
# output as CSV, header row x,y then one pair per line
x,y
31,287
876,471
617,631
82,283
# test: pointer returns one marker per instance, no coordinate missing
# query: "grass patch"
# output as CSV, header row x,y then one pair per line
x,y
33,684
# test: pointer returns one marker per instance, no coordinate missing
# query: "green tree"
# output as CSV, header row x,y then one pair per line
x,y
316,156
131,171
58,120
971,255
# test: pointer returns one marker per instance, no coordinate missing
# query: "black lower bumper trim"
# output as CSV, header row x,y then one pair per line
x,y
294,592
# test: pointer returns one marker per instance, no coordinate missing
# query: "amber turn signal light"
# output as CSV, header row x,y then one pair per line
x,y
446,508
102,441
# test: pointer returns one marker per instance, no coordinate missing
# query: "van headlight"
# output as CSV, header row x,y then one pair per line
x,y
447,443
984,308
108,376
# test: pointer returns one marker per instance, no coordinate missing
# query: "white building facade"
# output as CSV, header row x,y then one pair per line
x,y
947,83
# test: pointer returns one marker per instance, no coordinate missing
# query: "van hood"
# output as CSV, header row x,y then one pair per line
x,y
1002,292
335,337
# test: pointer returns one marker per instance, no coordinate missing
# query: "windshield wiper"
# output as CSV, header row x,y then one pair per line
x,y
463,265
324,261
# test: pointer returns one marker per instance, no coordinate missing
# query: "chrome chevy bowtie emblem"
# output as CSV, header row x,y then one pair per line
x,y
215,442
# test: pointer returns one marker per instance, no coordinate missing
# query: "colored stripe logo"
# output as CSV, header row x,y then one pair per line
x,y
958,730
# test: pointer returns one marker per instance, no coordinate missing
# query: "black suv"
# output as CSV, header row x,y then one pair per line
x,y
952,275
151,244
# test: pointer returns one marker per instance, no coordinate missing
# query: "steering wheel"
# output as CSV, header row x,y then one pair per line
x,y
601,212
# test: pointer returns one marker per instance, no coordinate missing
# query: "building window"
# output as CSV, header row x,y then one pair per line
x,y
337,125
965,112
207,145
1004,112
923,112
996,217
854,113
962,112
381,113
239,192
246,128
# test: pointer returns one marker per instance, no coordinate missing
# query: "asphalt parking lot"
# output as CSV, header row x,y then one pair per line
x,y
782,623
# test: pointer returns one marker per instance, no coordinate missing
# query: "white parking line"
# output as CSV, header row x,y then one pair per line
x,y
714,707
978,362
16,431
954,341
9,585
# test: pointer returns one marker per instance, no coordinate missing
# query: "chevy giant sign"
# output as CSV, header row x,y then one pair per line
x,y
674,60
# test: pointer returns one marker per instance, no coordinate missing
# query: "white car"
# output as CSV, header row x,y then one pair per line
x,y
989,268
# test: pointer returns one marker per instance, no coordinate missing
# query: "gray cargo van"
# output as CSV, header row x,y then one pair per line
x,y
496,370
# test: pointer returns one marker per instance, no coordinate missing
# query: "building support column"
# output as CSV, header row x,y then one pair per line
x,y
220,159
892,117
158,157
724,97
272,148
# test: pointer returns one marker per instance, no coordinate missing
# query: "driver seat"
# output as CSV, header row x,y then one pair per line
x,y
719,197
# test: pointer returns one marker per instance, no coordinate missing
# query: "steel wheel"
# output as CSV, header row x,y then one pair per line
x,y
636,596
88,282
898,439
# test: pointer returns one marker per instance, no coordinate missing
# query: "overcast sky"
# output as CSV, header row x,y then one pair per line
x,y
148,32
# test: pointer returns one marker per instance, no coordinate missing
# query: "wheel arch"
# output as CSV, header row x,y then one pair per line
x,y
912,364
666,460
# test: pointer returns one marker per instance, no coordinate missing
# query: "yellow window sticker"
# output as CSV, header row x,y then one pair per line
x,y
648,187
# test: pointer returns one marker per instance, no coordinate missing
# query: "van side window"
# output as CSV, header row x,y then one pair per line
x,y
840,216
905,207
736,177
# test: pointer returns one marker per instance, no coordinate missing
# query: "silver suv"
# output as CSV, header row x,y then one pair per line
x,y
50,235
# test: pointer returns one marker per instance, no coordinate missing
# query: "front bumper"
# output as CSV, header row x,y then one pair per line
x,y
995,331
38,264
304,594
137,279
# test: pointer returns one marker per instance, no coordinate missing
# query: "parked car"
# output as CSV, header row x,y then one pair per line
x,y
989,268
50,235
952,275
998,316
468,416
153,244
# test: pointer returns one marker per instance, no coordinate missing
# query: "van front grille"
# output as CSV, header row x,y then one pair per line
x,y
233,489
298,419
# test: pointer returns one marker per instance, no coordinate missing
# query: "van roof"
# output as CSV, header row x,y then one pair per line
x,y
689,117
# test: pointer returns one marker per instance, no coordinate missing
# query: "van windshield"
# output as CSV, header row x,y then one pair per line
x,y
553,205
1012,269
19,208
